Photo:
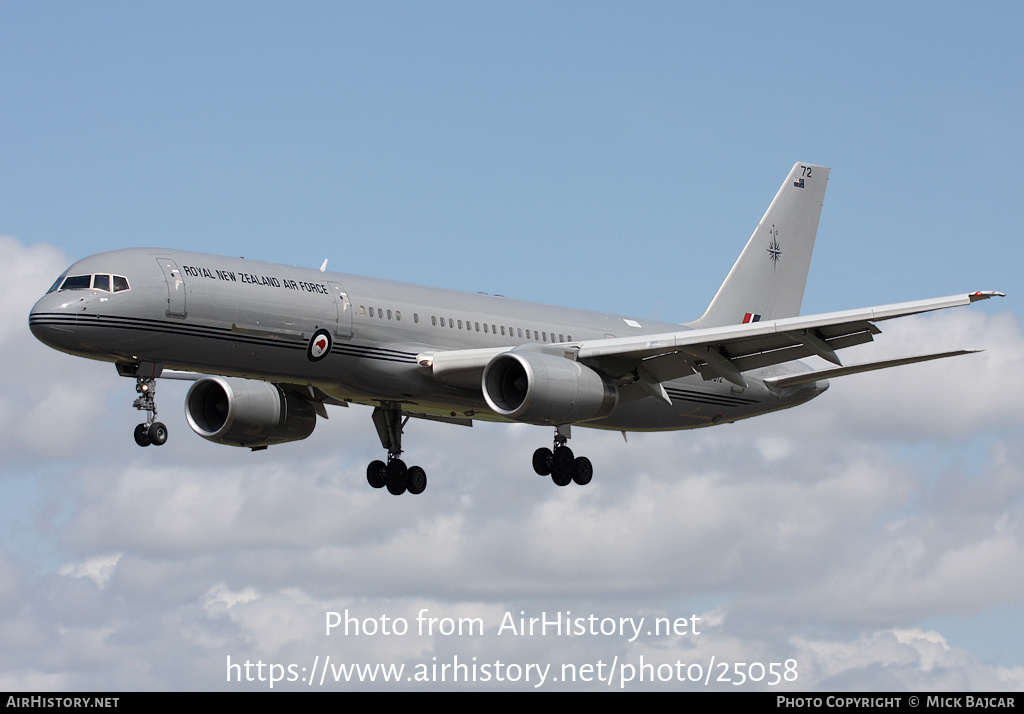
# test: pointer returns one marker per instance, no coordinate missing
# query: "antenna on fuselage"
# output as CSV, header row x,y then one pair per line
x,y
324,266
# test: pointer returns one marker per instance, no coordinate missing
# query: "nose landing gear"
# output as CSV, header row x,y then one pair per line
x,y
152,431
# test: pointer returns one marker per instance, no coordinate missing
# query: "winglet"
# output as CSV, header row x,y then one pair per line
x,y
985,295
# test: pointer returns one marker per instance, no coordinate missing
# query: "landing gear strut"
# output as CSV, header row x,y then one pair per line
x,y
152,431
560,463
395,475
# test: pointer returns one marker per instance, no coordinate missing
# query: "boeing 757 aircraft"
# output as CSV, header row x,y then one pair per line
x,y
270,346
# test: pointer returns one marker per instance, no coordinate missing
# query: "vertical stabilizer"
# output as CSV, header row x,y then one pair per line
x,y
767,281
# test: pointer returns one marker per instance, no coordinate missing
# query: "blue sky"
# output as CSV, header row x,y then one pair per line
x,y
598,155
386,137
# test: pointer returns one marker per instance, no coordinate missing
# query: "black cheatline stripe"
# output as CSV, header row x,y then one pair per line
x,y
229,337
219,333
373,355
50,318
707,396
379,358
720,399
127,323
697,392
173,328
382,350
712,402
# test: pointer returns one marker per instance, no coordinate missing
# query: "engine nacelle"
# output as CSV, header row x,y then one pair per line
x,y
246,412
539,388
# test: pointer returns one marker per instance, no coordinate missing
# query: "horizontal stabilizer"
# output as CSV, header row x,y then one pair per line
x,y
809,377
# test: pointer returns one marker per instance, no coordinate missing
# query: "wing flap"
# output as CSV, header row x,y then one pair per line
x,y
755,360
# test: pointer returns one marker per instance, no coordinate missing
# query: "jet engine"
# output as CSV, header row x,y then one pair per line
x,y
539,388
246,412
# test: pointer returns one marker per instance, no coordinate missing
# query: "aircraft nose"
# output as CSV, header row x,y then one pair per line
x,y
52,320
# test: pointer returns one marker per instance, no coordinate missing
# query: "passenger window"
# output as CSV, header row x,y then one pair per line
x,y
519,331
460,324
561,337
477,326
433,320
398,315
416,318
502,330
389,314
120,283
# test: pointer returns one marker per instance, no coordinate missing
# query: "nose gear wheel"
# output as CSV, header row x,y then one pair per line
x,y
152,431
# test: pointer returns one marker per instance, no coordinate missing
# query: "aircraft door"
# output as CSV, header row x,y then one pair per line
x,y
344,306
175,287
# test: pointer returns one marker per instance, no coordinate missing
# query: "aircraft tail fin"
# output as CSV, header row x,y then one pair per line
x,y
768,279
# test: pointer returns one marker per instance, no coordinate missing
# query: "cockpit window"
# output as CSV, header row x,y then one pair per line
x,y
57,282
77,282
100,281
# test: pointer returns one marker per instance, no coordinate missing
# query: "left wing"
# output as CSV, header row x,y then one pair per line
x,y
725,352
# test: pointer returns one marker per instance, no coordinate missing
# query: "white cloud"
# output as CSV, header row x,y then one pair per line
x,y
944,399
911,660
98,569
44,409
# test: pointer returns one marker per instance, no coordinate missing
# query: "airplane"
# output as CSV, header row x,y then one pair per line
x,y
270,346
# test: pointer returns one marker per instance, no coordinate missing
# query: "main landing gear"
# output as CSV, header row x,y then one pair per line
x,y
394,475
152,431
560,463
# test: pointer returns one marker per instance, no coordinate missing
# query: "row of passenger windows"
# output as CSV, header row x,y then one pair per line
x,y
470,326
518,332
99,281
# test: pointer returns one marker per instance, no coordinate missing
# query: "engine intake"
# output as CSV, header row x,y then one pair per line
x,y
245,412
539,388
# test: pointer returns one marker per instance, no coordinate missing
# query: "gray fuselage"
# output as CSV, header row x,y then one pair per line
x,y
244,318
